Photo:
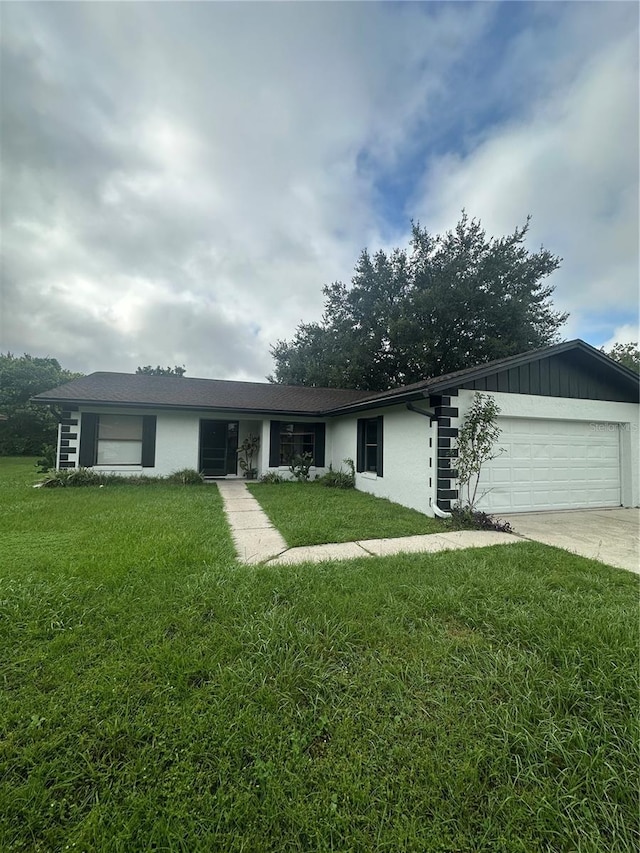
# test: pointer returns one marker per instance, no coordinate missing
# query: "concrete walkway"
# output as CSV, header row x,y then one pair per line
x,y
609,535
255,538
258,541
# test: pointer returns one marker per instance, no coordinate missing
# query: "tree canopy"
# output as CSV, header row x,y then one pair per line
x,y
444,303
28,427
627,354
148,370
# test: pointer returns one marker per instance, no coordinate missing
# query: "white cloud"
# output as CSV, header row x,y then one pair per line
x,y
179,180
570,160
200,158
629,333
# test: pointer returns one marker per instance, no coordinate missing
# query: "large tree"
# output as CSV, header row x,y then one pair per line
x,y
447,302
27,427
627,354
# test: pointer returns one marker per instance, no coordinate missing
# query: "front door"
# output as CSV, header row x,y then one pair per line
x,y
218,448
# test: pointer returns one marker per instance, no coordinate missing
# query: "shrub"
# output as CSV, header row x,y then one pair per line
x,y
466,518
273,478
47,460
300,465
340,479
186,477
74,477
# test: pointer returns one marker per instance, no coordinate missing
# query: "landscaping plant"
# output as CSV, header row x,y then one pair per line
x,y
477,437
300,466
186,477
272,478
340,479
247,450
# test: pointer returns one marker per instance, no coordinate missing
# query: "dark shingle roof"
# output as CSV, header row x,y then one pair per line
x,y
183,393
128,389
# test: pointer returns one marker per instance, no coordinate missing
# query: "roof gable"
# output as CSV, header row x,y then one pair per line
x,y
573,369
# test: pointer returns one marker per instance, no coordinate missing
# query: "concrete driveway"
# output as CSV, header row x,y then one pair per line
x,y
609,535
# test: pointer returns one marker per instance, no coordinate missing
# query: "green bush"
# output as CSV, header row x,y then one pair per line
x,y
48,459
75,477
186,477
466,518
273,478
300,466
340,479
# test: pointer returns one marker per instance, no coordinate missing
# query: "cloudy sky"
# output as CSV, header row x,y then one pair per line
x,y
180,179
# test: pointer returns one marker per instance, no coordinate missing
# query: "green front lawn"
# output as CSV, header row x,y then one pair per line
x,y
18,469
311,514
157,695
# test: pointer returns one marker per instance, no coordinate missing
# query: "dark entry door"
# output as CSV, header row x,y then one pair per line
x,y
218,447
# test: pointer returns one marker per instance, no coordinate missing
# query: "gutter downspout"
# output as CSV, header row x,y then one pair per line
x,y
439,513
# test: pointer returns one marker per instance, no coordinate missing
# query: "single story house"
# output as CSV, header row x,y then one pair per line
x,y
569,421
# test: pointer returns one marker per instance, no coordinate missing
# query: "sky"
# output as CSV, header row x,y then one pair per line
x,y
179,180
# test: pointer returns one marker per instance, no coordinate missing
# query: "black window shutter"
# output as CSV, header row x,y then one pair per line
x,y
274,445
148,441
379,453
318,459
362,425
88,435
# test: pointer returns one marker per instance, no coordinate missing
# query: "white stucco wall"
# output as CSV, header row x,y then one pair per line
x,y
177,438
283,470
408,459
622,416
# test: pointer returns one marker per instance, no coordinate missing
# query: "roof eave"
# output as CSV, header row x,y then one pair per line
x,y
363,405
179,407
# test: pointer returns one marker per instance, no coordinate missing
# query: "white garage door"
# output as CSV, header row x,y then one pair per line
x,y
553,465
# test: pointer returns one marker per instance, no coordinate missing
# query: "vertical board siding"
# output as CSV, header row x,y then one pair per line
x,y
554,376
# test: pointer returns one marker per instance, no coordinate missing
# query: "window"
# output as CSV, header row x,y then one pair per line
x,y
295,440
292,439
119,440
370,445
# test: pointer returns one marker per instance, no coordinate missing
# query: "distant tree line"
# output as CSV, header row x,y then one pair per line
x,y
148,370
25,428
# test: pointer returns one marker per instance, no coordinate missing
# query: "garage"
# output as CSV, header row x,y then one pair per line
x,y
553,464
569,421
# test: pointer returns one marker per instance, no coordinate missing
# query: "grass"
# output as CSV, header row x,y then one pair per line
x,y
157,695
311,514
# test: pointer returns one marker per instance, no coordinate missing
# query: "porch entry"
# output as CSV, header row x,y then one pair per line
x,y
218,448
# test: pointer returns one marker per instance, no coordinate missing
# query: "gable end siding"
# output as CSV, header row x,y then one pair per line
x,y
563,375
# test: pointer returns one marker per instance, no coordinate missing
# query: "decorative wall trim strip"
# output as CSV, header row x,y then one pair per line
x,y
446,452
